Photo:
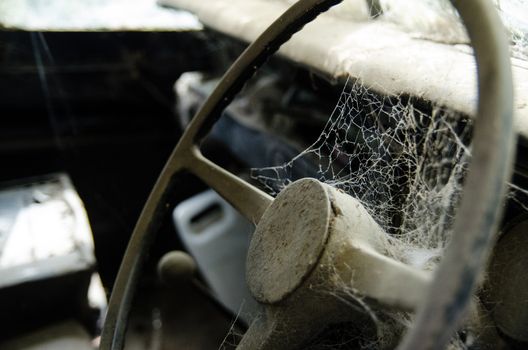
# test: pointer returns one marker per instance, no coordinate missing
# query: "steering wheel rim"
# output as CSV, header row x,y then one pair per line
x,y
478,214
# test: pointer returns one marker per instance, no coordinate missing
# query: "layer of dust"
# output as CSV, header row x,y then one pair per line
x,y
436,20
405,162
405,165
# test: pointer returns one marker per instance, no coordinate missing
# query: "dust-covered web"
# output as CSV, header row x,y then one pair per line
x,y
404,163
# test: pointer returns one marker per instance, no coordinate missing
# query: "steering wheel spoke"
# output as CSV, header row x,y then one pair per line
x,y
250,201
380,279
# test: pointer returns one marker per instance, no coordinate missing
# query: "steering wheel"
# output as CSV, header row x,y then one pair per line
x,y
290,253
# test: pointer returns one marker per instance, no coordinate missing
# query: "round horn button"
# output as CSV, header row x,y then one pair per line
x,y
288,241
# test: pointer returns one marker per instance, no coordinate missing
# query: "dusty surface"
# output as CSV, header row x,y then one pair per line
x,y
288,241
382,55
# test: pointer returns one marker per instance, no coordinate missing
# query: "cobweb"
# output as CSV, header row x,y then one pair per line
x,y
403,160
